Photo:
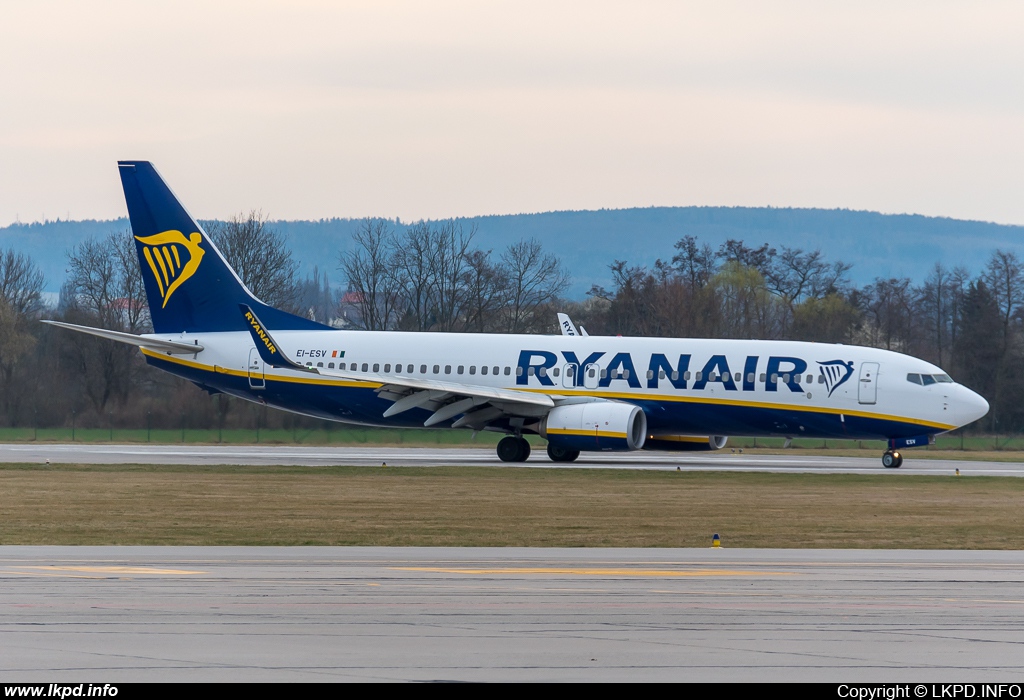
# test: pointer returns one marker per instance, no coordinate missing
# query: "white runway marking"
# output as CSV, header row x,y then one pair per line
x,y
414,456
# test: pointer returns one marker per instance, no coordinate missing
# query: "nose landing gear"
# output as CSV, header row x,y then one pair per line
x,y
892,460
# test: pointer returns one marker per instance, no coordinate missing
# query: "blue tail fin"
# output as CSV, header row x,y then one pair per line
x,y
189,285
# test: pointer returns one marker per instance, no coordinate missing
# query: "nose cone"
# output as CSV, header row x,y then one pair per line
x,y
969,406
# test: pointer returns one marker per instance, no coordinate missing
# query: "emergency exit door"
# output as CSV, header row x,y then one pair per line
x,y
256,380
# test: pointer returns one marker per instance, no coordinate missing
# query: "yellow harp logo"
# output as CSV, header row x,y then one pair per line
x,y
172,258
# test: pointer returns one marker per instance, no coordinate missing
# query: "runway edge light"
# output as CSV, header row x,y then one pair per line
x,y
716,541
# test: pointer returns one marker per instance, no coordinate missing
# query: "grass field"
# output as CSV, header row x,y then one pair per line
x,y
471,506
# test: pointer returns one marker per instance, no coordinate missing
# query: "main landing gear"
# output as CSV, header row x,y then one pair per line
x,y
892,459
513,449
561,454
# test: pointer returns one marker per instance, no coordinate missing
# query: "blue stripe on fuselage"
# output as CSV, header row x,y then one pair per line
x,y
361,404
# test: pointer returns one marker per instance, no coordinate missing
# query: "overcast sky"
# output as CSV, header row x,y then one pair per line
x,y
438,109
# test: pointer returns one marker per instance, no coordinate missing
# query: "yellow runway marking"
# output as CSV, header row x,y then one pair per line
x,y
598,572
135,570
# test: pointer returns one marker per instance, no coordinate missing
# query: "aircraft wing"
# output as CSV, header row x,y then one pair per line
x,y
171,347
479,405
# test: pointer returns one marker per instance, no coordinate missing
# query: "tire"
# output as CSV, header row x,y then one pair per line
x,y
513,449
561,454
892,460
509,449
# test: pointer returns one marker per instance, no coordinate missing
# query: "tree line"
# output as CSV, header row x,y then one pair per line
x,y
433,277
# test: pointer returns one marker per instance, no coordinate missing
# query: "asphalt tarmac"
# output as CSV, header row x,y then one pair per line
x,y
110,614
724,460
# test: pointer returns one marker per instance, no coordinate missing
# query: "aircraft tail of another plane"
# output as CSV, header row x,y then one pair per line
x,y
189,285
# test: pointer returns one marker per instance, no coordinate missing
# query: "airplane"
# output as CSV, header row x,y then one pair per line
x,y
581,393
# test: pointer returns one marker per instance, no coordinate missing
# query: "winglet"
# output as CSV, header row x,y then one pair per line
x,y
268,348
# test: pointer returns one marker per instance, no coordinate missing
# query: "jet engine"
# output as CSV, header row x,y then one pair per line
x,y
593,426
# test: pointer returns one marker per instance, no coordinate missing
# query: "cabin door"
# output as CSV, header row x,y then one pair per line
x,y
256,380
867,387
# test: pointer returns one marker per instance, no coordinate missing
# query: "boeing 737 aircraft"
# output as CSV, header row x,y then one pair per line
x,y
579,392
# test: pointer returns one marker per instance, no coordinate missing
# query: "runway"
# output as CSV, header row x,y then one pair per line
x,y
117,614
725,460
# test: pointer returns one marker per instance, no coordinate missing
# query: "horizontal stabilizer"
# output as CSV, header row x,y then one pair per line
x,y
171,347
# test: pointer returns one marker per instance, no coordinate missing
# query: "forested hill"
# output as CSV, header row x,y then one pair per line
x,y
878,245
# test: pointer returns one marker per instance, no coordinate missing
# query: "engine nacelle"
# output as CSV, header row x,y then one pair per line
x,y
685,443
598,425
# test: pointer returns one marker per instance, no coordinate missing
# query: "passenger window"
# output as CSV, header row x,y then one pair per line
x,y
519,371
737,377
821,379
810,379
423,369
364,367
319,364
437,369
686,375
447,369
508,371
330,365
483,369
699,376
927,379
650,374
352,367
624,374
387,368
495,368
376,367
531,371
675,376
591,373
462,368
472,369
914,378
785,379
712,377
750,378
604,374
661,374
775,378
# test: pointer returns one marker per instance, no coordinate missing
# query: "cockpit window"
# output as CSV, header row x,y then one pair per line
x,y
929,379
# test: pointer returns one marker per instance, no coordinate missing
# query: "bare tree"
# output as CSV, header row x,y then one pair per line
x,y
261,257
104,288
369,272
21,283
534,280
1005,279
450,272
486,292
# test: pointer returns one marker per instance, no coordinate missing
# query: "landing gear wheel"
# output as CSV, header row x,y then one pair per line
x,y
561,454
892,460
513,449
